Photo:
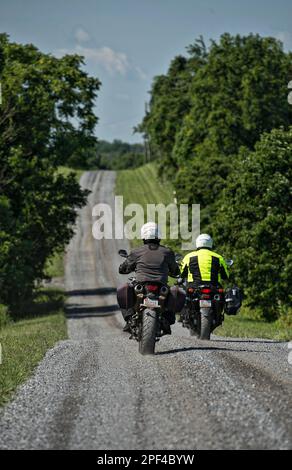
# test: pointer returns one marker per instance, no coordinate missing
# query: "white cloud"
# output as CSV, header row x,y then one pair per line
x,y
286,38
111,60
81,35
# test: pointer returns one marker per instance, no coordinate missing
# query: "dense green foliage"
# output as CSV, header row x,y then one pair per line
x,y
206,114
118,155
170,103
254,223
46,116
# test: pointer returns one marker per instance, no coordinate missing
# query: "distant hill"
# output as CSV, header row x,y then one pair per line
x,y
118,155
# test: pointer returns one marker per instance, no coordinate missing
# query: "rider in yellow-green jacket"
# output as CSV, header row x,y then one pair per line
x,y
204,266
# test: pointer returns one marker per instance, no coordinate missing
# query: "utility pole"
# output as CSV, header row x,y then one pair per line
x,y
147,147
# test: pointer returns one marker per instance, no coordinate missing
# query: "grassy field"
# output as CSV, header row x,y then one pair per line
x,y
24,342
55,265
244,326
142,186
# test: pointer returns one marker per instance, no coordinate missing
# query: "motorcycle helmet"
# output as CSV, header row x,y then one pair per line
x,y
150,231
204,241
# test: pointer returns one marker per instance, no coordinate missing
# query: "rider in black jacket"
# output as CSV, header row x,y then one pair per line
x,y
151,261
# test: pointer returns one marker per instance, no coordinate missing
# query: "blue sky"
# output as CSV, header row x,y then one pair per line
x,y
126,42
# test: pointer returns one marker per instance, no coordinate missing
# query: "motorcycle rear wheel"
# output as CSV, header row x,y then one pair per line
x,y
194,333
148,333
205,327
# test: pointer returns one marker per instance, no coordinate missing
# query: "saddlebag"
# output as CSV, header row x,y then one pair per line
x,y
233,300
176,299
126,296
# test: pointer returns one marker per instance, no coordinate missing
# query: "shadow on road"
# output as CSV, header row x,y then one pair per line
x,y
200,348
78,311
91,292
86,309
249,340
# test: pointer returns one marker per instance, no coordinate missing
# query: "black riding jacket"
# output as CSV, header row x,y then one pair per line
x,y
151,262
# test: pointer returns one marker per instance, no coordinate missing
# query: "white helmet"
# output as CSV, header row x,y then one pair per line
x,y
150,231
204,241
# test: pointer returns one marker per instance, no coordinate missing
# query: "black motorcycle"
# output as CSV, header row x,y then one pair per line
x,y
203,311
205,307
149,302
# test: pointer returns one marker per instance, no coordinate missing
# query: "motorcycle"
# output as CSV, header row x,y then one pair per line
x,y
150,302
205,306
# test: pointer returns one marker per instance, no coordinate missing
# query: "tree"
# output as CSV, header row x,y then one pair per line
x,y
254,222
46,103
238,93
118,155
209,105
170,102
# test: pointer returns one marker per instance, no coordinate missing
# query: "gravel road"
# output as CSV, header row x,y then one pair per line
x,y
94,391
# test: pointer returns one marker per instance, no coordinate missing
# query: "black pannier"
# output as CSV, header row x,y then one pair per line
x,y
174,302
175,299
126,296
233,300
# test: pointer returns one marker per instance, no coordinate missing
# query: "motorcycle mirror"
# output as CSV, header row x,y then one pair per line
x,y
229,262
123,253
178,257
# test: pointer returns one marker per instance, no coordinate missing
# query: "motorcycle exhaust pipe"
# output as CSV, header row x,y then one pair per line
x,y
164,291
139,288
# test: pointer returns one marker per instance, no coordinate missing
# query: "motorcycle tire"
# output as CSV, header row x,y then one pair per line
x,y
148,333
205,327
194,333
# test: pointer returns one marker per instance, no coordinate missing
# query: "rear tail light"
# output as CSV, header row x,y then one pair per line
x,y
206,291
220,291
152,288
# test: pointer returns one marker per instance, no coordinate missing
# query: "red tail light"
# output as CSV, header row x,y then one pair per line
x,y
206,291
152,287
221,291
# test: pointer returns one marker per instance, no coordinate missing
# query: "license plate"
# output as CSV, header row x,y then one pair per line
x,y
150,303
205,303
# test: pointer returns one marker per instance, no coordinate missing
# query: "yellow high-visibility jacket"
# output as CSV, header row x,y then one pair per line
x,y
204,265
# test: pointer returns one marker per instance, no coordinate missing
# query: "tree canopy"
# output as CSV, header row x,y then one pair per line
x,y
218,123
253,222
46,115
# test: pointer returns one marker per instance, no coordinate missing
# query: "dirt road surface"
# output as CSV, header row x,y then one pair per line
x,y
94,391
